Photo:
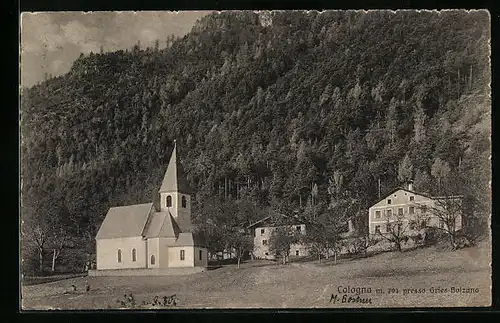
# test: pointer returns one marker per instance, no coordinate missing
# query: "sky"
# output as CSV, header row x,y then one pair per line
x,y
51,41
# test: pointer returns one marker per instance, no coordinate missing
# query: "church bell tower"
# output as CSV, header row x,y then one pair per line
x,y
175,193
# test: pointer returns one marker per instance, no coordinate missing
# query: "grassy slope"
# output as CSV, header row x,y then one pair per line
x,y
297,285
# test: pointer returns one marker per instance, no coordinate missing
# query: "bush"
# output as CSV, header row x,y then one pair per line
x,y
73,260
29,261
360,245
432,236
418,238
463,241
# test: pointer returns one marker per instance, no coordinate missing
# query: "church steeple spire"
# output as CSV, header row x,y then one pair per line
x,y
175,193
174,179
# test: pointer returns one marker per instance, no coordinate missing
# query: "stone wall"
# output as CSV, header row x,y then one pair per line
x,y
147,271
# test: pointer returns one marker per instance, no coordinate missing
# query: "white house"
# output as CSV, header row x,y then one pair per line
x,y
150,238
405,206
262,231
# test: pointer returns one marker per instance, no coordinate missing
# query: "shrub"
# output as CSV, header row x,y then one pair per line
x,y
432,236
418,238
73,260
359,245
463,241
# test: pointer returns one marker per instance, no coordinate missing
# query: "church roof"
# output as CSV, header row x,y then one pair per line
x,y
162,225
174,179
189,239
124,221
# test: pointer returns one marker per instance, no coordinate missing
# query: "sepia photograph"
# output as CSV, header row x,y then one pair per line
x,y
255,159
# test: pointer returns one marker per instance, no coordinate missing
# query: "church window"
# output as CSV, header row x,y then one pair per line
x,y
201,254
169,201
182,255
296,252
134,255
183,201
153,259
119,255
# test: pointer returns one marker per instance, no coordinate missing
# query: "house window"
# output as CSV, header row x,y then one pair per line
x,y
389,213
267,253
423,224
133,255
169,201
261,231
183,202
400,211
264,242
119,255
201,254
377,229
182,255
296,252
377,214
412,198
152,259
412,210
389,201
298,228
441,224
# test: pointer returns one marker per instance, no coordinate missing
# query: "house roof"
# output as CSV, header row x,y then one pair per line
x,y
162,225
174,179
418,193
403,189
263,220
125,221
289,220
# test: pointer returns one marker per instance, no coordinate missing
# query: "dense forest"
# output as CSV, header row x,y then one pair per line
x,y
269,110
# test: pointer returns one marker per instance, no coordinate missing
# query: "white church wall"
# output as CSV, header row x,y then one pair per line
x,y
107,253
163,244
153,247
174,256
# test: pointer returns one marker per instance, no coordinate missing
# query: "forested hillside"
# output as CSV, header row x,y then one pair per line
x,y
269,109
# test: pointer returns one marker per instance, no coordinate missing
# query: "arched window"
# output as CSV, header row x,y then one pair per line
x,y
169,201
183,201
133,255
119,255
152,259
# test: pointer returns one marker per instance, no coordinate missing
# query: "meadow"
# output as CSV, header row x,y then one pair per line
x,y
426,277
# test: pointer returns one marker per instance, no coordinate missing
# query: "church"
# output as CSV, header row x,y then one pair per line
x,y
151,238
